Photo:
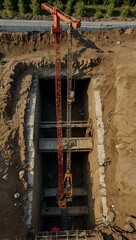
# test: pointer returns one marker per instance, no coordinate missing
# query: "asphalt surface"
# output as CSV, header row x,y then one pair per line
x,y
45,26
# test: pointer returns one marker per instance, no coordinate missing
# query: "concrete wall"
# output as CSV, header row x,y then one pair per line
x,y
97,188
33,158
37,167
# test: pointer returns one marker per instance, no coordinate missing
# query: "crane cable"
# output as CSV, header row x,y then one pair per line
x,y
70,99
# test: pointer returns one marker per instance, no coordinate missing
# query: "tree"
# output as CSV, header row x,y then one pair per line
x,y
58,4
98,13
133,2
69,7
96,2
110,9
8,8
115,2
35,7
126,11
1,4
80,8
49,2
21,6
127,2
27,6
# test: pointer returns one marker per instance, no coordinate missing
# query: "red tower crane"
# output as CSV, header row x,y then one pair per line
x,y
56,32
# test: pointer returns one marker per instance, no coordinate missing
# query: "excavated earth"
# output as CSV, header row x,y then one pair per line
x,y
109,58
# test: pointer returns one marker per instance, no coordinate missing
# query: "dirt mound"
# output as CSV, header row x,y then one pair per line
x,y
109,58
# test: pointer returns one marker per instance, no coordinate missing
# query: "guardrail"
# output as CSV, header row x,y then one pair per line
x,y
45,26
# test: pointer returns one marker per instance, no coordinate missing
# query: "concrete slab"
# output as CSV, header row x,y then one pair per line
x,y
80,144
71,211
77,192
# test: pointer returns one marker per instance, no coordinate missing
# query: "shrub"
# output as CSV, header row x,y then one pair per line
x,y
98,13
58,4
80,8
110,9
127,2
69,7
126,11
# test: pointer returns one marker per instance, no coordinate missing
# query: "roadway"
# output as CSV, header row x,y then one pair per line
x,y
45,26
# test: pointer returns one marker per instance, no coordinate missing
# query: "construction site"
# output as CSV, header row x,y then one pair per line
x,y
67,133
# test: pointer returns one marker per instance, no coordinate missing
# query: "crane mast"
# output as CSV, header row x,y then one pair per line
x,y
60,192
56,31
70,99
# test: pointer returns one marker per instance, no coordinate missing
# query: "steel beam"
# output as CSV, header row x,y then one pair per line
x,y
77,192
71,211
74,124
70,234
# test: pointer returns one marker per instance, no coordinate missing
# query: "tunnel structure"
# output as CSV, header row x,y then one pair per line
x,y
84,212
76,215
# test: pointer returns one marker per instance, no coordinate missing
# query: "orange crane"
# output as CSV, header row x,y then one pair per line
x,y
56,32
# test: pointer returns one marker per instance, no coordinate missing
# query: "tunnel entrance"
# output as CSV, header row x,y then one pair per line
x,y
77,215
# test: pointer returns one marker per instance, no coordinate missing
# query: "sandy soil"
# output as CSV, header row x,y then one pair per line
x,y
110,58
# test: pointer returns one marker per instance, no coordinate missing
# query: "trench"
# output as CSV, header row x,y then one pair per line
x,y
49,160
84,212
49,180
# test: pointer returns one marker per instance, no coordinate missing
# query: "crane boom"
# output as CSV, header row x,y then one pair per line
x,y
56,31
57,13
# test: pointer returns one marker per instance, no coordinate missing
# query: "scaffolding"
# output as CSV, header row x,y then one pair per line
x,y
72,235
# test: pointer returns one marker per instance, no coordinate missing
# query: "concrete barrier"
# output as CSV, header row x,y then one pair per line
x,y
45,26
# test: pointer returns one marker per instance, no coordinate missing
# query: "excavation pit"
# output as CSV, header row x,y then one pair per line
x,y
85,209
97,56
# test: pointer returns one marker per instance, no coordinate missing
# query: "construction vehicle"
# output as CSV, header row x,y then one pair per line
x,y
56,31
